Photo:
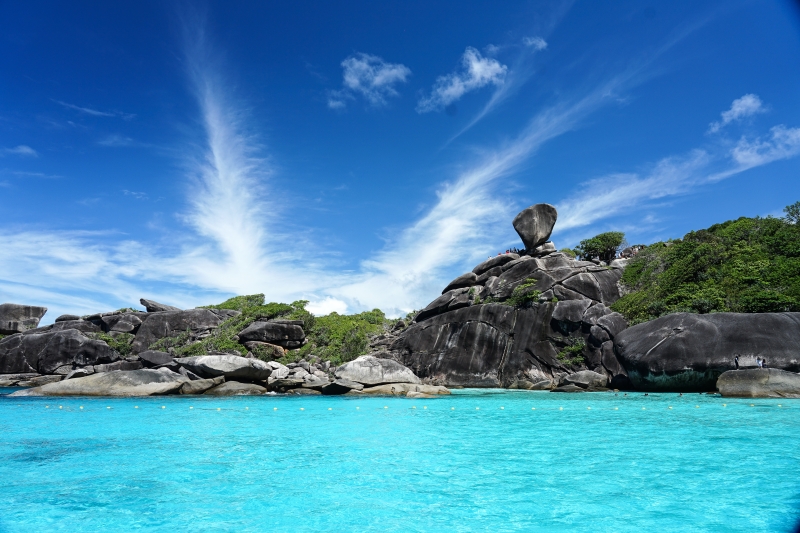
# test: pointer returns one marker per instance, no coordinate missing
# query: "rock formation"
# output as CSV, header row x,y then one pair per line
x,y
535,224
15,318
759,383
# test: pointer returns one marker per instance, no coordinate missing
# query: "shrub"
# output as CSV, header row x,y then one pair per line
x,y
572,354
569,251
119,342
604,246
524,294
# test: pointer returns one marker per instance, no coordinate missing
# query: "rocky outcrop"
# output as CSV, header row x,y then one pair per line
x,y
199,386
16,318
403,389
688,352
535,224
283,333
234,388
45,352
759,383
153,359
370,370
232,367
155,307
122,383
199,323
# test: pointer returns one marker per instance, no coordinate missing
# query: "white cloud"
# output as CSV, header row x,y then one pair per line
x,y
327,306
537,43
95,112
371,77
782,143
23,150
747,105
116,141
478,71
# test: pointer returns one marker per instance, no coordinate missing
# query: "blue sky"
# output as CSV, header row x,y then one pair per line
x,y
362,154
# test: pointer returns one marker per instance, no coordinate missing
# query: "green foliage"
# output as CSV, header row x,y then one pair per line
x,y
119,342
792,213
569,251
341,338
749,265
239,303
524,294
604,246
2,336
572,354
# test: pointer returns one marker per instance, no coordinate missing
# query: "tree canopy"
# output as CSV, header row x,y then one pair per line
x,y
604,246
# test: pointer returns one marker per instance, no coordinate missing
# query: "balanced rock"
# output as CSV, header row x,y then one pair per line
x,y
155,307
688,352
535,224
287,334
121,383
370,370
45,352
759,383
233,367
16,318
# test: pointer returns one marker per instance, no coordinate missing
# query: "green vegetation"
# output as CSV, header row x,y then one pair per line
x,y
604,246
572,354
2,336
749,265
120,342
341,338
569,251
524,294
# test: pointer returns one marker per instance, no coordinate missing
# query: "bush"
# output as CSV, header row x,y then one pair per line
x,y
572,354
604,246
569,251
342,338
749,265
119,342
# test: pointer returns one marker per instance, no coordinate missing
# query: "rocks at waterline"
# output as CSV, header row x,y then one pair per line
x,y
371,370
759,383
689,352
122,383
235,388
535,224
45,352
232,367
16,318
583,381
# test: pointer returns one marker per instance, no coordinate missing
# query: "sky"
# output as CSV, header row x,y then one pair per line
x,y
361,155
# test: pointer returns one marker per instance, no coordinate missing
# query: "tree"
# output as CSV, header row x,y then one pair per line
x,y
604,246
792,213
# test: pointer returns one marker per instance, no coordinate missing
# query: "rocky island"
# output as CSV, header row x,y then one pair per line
x,y
540,319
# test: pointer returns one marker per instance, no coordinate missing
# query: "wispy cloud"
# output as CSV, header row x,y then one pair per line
x,y
116,141
96,113
781,143
369,76
746,106
21,150
537,43
135,194
477,71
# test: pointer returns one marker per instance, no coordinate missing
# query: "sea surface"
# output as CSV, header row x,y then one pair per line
x,y
479,460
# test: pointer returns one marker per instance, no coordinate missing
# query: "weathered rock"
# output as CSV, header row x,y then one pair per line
x,y
544,249
79,373
119,365
84,326
121,383
569,314
159,325
284,384
279,371
123,323
44,380
369,370
45,352
613,323
200,386
65,318
494,262
464,280
688,352
569,388
16,318
287,335
234,388
341,386
155,307
401,389
759,383
232,367
585,379
153,358
535,224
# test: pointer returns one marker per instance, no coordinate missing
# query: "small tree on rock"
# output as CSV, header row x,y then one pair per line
x,y
604,246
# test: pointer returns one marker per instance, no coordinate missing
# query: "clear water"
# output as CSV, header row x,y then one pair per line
x,y
575,463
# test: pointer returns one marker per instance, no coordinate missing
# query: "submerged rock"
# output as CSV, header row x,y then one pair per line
x,y
120,383
759,383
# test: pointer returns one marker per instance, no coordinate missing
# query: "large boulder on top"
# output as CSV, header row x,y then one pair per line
x,y
283,333
155,307
16,318
535,224
370,370
759,383
155,326
233,367
688,352
120,383
45,352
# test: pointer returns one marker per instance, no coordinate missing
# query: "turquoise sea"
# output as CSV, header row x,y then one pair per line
x,y
479,460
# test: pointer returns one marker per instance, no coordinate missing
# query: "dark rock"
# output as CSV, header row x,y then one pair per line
x,y
155,307
16,318
492,272
187,373
369,370
599,335
119,365
535,224
759,383
494,262
123,323
442,303
129,383
688,352
200,386
570,312
65,318
592,314
569,388
464,280
232,367
234,388
152,358
160,325
45,352
340,386
613,323
279,333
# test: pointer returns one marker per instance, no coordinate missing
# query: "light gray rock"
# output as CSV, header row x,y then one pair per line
x,y
340,386
80,373
535,224
120,383
44,380
233,367
119,365
234,388
123,323
586,379
16,318
200,386
370,370
155,307
401,389
759,383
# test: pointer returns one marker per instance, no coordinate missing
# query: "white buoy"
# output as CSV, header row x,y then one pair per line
x,y
413,406
477,408
190,407
533,408
81,407
617,408
274,408
330,408
163,406
560,408
60,407
588,408
302,408
425,406
670,407
385,406
501,407
452,408
136,407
